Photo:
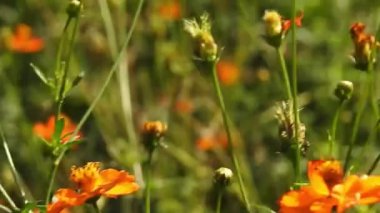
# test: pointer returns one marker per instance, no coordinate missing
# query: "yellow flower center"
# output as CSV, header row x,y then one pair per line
x,y
86,176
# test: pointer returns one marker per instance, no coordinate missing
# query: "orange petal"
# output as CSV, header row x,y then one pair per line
x,y
65,198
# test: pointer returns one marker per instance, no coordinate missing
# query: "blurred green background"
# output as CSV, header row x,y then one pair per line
x,y
158,75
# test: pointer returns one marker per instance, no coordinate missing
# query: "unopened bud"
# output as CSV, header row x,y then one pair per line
x,y
343,90
74,8
152,132
223,176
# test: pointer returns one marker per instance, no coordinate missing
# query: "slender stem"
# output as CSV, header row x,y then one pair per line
x,y
15,174
362,105
285,73
123,78
229,137
334,127
219,200
95,101
148,182
5,209
8,198
61,95
374,165
297,159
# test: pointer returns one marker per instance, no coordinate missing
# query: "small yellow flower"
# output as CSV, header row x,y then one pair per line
x,y
273,22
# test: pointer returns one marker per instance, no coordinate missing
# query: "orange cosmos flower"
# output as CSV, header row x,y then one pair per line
x,y
92,182
209,142
170,11
328,190
46,130
22,40
228,72
183,106
364,44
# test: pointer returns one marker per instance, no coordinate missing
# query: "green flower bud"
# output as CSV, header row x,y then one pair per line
x,y
223,177
343,90
74,8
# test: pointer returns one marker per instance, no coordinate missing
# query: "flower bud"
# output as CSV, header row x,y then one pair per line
x,y
74,8
153,131
343,90
223,176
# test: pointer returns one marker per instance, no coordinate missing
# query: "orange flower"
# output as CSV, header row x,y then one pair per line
x,y
286,23
183,106
22,40
92,182
228,72
364,44
328,190
170,11
46,130
209,142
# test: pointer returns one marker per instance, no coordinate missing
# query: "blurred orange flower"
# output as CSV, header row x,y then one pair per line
x,y
22,40
328,190
170,11
286,23
228,72
183,106
92,182
209,142
46,130
364,44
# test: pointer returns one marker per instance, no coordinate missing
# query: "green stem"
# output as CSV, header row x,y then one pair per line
x,y
362,105
95,101
334,127
58,68
374,165
148,182
219,200
285,73
229,138
297,159
61,95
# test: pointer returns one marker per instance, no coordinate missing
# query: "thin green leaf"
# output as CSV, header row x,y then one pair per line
x,y
40,74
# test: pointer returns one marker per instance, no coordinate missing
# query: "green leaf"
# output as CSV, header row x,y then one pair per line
x,y
40,74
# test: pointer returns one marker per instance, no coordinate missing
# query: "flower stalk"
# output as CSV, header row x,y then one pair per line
x,y
229,135
297,148
285,73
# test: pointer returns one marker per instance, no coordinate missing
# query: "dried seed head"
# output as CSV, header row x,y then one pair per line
x,y
286,129
223,177
344,90
205,46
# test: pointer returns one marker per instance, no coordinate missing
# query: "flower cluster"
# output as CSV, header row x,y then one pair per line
x,y
91,183
328,190
364,45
